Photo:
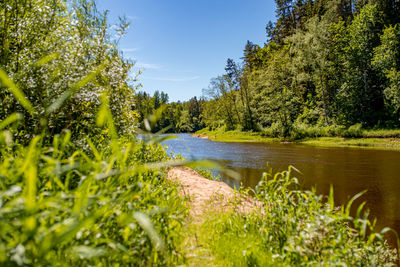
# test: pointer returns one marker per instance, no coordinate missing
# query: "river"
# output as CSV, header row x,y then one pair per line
x,y
349,170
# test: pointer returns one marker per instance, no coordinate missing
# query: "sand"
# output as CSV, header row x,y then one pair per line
x,y
205,194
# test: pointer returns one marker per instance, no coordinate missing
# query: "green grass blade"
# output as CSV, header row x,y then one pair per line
x,y
43,61
18,94
30,189
145,222
348,206
331,199
9,120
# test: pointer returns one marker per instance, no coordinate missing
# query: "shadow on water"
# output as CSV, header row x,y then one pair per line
x,y
349,170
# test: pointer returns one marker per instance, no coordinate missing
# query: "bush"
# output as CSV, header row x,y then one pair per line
x,y
61,56
354,131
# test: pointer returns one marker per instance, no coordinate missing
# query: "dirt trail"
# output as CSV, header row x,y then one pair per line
x,y
205,194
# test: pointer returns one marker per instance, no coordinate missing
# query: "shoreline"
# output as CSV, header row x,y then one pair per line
x,y
222,220
204,193
384,143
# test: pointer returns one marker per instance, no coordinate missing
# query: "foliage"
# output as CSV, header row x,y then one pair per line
x,y
207,173
106,204
175,117
294,227
73,190
326,63
62,57
60,206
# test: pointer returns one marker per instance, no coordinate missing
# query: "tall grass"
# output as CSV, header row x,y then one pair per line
x,y
102,203
294,227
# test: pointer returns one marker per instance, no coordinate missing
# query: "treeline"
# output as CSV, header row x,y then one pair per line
x,y
157,114
325,62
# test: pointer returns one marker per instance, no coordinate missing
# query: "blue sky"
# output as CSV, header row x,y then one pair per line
x,y
181,44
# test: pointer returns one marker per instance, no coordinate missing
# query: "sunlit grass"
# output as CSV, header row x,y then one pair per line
x,y
293,227
375,139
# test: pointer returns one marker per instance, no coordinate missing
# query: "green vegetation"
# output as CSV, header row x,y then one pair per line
x,y
159,115
78,188
377,139
74,190
327,64
326,67
292,227
206,173
61,206
60,54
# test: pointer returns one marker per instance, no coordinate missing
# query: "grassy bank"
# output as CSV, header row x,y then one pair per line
x,y
290,227
376,139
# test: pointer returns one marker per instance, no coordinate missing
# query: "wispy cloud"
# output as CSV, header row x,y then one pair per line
x,y
133,17
127,50
180,79
148,66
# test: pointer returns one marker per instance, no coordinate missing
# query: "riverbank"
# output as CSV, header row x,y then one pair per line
x,y
388,140
280,225
206,198
204,193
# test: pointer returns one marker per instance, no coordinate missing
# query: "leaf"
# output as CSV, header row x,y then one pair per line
x,y
86,252
18,94
10,119
359,209
145,222
43,61
348,206
30,186
331,200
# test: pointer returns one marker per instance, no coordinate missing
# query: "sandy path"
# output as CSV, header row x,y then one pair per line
x,y
205,194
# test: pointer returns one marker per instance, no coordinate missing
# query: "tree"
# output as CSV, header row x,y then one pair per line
x,y
314,69
220,91
275,100
387,62
361,96
60,54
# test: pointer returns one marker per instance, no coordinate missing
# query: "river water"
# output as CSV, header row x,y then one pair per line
x,y
349,170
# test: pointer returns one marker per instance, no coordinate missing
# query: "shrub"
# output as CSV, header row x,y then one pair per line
x,y
354,131
61,56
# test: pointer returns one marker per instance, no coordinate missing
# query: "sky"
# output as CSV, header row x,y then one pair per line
x,y
181,44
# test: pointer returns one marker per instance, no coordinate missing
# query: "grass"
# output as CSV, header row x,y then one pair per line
x,y
375,139
102,201
291,228
236,136
62,207
374,143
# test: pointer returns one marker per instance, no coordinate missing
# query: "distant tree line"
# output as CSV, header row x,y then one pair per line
x,y
176,117
325,62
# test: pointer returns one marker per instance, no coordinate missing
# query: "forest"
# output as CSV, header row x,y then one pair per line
x,y
325,63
